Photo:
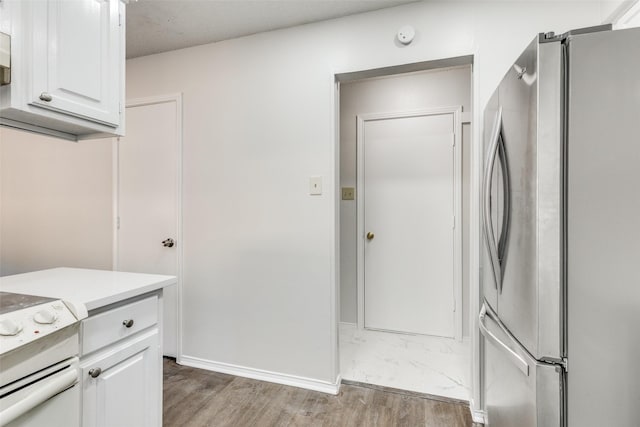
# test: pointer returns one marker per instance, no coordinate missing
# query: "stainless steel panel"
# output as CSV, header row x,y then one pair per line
x,y
604,229
513,397
529,304
517,304
5,59
550,193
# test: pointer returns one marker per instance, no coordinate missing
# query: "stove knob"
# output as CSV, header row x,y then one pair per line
x,y
45,317
9,327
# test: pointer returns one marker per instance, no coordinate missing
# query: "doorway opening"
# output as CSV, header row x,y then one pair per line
x,y
405,143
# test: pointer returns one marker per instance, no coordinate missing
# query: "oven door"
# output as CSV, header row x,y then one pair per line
x,y
48,397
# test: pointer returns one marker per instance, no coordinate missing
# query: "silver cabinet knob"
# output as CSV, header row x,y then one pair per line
x,y
128,323
44,96
168,243
95,372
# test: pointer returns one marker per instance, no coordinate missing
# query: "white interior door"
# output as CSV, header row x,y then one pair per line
x,y
408,202
148,203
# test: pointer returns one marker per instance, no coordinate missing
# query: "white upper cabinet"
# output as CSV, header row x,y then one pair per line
x,y
76,61
67,73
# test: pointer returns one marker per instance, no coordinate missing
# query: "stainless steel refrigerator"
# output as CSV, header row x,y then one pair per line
x,y
560,261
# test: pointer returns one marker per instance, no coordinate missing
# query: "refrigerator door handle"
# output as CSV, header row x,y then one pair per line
x,y
506,218
517,360
486,202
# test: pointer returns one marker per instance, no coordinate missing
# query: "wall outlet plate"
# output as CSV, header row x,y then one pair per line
x,y
348,193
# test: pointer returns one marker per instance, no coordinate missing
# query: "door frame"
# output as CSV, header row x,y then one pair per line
x,y
456,111
139,102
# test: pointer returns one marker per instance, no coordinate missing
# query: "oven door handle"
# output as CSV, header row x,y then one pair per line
x,y
46,390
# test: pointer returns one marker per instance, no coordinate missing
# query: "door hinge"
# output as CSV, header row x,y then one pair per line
x,y
120,108
560,364
119,20
118,223
453,221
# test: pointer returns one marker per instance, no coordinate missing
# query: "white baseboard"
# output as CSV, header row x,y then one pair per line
x,y
353,325
477,416
262,375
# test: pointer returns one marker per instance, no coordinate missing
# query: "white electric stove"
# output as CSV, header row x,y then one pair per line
x,y
38,361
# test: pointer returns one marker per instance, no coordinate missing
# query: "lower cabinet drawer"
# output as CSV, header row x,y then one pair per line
x,y
113,325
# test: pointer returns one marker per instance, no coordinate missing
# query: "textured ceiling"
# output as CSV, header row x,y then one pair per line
x,y
155,26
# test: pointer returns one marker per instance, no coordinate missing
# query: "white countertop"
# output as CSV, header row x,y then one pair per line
x,y
91,288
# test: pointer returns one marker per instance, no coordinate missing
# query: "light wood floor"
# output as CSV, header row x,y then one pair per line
x,y
195,397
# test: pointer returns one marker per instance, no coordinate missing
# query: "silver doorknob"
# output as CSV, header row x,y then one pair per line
x,y
44,96
95,372
370,235
128,323
168,243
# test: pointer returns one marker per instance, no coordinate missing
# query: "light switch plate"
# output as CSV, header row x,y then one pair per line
x,y
348,193
315,185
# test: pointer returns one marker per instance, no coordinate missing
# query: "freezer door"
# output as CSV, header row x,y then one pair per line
x,y
604,229
529,295
518,390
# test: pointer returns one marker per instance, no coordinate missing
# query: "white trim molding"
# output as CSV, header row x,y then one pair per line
x,y
626,12
349,324
477,398
477,416
334,245
456,112
263,375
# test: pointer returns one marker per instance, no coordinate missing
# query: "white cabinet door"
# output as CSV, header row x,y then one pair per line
x,y
76,58
126,389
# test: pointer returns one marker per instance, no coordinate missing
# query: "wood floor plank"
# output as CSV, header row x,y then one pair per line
x,y
199,398
186,391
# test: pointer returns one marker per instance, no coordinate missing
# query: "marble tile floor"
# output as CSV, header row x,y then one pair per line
x,y
419,363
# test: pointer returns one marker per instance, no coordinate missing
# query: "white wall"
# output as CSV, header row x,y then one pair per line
x,y
259,260
55,203
404,92
612,10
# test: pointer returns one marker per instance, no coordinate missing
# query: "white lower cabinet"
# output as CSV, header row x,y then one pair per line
x,y
122,382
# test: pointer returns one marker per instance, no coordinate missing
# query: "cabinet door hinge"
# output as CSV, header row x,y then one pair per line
x,y
453,221
119,20
118,223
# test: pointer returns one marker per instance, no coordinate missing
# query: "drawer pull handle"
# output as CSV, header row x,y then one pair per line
x,y
44,96
128,323
95,372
